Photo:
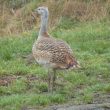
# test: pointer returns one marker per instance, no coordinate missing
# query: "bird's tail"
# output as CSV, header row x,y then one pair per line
x,y
73,63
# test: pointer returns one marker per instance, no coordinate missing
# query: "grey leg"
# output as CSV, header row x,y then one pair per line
x,y
51,80
54,78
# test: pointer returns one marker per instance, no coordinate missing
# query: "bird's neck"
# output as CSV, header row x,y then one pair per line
x,y
43,28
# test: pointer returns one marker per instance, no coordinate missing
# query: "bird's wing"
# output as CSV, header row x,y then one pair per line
x,y
65,54
62,44
58,52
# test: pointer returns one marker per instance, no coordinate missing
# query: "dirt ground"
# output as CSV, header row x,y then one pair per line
x,y
104,106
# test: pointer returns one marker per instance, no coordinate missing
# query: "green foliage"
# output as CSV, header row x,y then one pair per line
x,y
90,44
43,87
18,86
66,23
29,100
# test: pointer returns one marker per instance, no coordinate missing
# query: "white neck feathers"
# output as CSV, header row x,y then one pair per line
x,y
44,23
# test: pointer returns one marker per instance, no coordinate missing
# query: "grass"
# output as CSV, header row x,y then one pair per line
x,y
90,42
20,19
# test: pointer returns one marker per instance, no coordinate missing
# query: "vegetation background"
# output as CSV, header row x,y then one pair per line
x,y
84,24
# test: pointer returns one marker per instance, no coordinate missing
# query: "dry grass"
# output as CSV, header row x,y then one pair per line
x,y
86,11
20,19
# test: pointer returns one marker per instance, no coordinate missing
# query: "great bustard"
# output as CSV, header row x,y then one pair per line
x,y
50,52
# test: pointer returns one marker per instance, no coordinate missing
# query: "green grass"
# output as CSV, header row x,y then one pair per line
x,y
90,42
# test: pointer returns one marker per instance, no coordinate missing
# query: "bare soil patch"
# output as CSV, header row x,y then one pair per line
x,y
103,106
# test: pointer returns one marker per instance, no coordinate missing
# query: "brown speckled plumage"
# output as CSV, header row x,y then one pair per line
x,y
55,53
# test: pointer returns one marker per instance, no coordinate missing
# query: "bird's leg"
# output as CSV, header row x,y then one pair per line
x,y
50,84
51,80
54,78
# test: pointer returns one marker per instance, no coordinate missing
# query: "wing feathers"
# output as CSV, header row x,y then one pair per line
x,y
54,52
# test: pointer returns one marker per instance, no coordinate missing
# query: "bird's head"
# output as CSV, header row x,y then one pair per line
x,y
43,11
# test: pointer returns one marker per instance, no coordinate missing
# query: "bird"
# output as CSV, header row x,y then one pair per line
x,y
50,52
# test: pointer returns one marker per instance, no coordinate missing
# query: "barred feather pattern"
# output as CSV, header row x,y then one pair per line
x,y
53,53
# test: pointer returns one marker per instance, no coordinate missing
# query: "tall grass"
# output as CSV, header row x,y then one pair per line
x,y
18,18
